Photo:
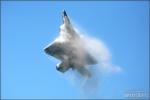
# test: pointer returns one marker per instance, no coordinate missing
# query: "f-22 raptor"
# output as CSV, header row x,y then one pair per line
x,y
68,47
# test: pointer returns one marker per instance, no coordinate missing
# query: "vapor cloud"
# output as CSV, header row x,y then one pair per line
x,y
96,47
89,87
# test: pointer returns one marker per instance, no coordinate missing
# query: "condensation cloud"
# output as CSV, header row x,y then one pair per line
x,y
88,87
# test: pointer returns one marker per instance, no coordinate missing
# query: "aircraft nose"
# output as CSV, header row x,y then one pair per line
x,y
64,13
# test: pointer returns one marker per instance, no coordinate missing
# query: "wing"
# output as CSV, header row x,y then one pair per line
x,y
57,50
60,51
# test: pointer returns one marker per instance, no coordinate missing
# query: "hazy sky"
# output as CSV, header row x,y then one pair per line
x,y
28,26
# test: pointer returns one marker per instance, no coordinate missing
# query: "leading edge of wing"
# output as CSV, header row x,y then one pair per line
x,y
53,48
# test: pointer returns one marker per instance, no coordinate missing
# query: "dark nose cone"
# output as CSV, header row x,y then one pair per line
x,y
64,13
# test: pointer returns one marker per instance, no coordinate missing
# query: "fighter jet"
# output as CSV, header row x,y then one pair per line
x,y
68,47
